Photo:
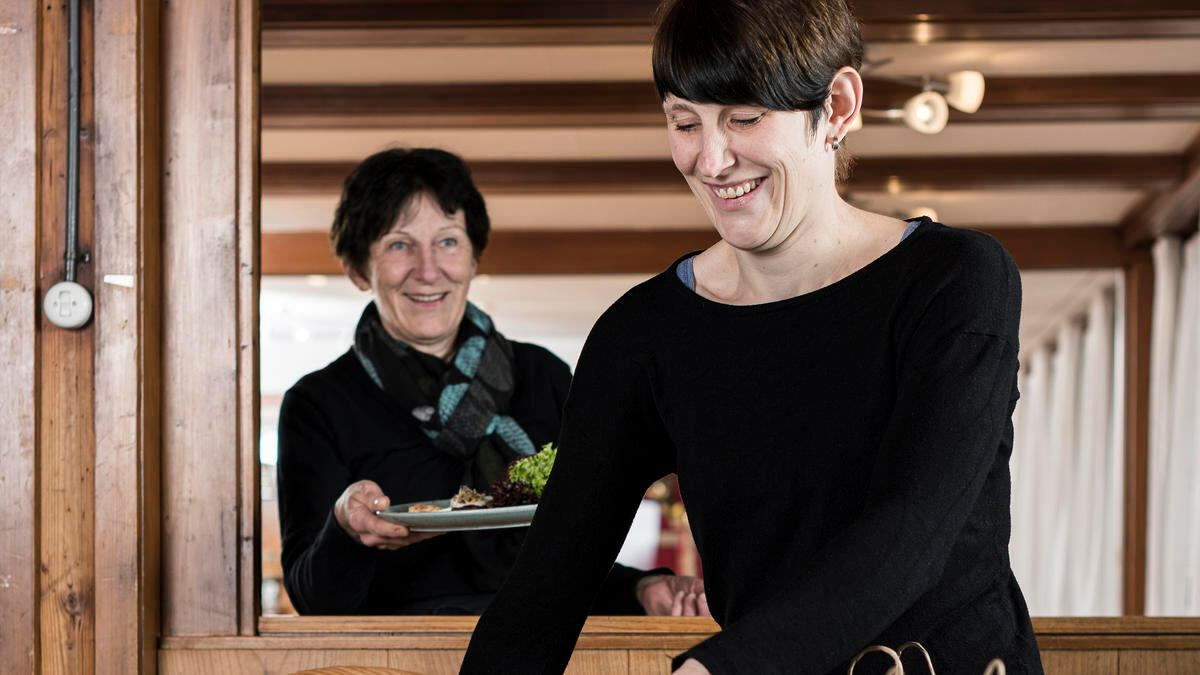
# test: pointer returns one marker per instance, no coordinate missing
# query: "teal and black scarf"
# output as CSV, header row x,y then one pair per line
x,y
461,405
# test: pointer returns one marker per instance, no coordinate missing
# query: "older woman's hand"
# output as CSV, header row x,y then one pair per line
x,y
669,595
355,512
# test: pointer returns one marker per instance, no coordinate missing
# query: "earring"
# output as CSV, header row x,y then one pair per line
x,y
836,143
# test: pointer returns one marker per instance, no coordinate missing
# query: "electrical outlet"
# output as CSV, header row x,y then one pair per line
x,y
67,305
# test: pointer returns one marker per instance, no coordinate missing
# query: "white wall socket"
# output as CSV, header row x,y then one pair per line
x,y
67,305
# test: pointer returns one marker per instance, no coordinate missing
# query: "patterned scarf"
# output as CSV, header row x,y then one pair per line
x,y
460,405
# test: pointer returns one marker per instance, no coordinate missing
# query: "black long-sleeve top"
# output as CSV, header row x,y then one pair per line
x,y
337,427
843,457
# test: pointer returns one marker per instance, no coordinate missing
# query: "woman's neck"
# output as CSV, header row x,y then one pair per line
x,y
827,246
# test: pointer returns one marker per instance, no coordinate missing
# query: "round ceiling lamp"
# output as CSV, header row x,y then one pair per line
x,y
926,112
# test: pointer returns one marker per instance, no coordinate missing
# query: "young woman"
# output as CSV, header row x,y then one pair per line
x,y
834,389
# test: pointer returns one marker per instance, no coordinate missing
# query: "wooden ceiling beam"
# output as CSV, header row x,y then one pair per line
x,y
278,36
1175,211
559,104
432,13
647,252
871,174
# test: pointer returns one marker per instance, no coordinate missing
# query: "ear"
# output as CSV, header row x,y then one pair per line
x,y
845,100
356,278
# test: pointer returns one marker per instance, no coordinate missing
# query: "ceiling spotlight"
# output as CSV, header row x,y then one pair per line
x,y
964,90
926,112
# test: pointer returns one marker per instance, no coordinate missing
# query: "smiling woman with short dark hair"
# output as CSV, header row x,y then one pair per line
x,y
833,387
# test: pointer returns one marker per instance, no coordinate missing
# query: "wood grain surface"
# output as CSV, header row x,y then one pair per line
x,y
126,371
66,440
19,311
201,165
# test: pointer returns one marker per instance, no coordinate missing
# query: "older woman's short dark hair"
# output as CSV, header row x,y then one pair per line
x,y
379,189
778,54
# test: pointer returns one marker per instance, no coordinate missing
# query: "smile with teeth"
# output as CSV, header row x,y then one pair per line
x,y
431,297
735,191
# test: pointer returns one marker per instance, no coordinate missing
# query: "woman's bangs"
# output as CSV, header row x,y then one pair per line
x,y
708,75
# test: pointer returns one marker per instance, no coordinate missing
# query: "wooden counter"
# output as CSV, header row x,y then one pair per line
x,y
636,645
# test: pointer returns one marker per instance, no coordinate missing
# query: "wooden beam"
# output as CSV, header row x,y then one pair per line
x,y
559,104
647,252
416,13
66,441
204,266
299,35
330,23
1139,301
1042,248
19,323
248,56
1174,211
127,373
869,174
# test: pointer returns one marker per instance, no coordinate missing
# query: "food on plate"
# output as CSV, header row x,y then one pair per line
x,y
525,479
426,508
466,498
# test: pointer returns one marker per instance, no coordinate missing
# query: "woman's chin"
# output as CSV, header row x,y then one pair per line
x,y
746,236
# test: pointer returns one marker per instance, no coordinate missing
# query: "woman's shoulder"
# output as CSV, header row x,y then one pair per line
x,y
531,356
965,277
343,374
963,250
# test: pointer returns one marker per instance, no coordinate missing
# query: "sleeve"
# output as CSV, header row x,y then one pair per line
x,y
956,386
324,570
611,447
618,595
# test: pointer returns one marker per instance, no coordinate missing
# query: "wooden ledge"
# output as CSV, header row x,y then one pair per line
x,y
380,632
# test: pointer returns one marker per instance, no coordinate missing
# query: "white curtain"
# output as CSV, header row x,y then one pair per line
x,y
1066,541
1173,536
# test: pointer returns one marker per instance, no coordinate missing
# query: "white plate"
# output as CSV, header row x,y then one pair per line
x,y
458,521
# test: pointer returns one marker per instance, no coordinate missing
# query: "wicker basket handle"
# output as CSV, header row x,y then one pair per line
x,y
994,667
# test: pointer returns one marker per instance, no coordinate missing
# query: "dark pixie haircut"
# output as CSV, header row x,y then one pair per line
x,y
377,192
778,54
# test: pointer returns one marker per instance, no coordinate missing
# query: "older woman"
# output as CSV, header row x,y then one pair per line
x,y
833,387
430,397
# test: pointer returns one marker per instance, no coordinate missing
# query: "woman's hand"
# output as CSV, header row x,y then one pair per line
x,y
669,595
691,667
355,512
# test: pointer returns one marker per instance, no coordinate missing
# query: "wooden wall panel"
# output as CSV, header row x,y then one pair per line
x,y
18,339
447,661
651,661
126,218
202,214
1158,662
1079,662
264,662
66,440
426,661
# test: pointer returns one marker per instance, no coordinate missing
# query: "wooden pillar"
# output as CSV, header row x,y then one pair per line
x,y
66,444
127,373
18,337
210,264
1139,300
